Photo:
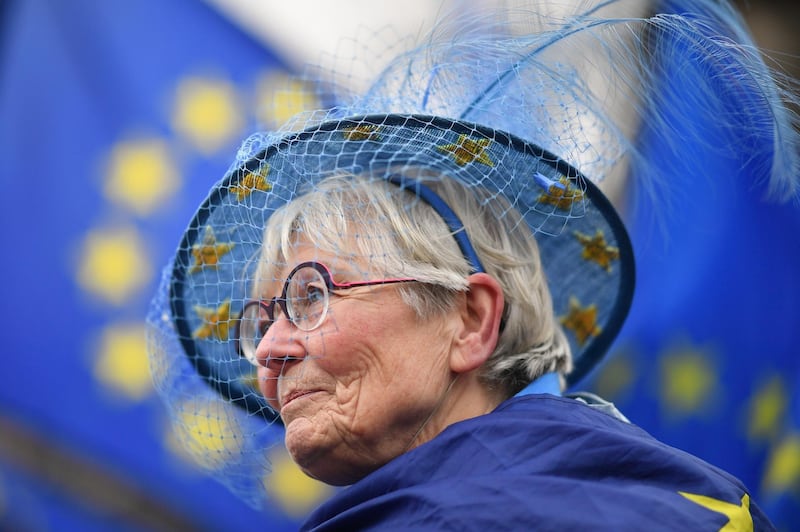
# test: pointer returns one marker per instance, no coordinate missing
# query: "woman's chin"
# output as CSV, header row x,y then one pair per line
x,y
318,459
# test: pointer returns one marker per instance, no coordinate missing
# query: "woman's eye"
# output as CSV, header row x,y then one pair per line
x,y
314,294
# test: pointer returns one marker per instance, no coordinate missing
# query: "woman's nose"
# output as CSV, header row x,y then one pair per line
x,y
280,346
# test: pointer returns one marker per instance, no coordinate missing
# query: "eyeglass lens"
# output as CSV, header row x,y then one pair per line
x,y
305,300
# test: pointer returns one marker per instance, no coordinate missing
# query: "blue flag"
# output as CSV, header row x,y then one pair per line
x,y
116,119
708,359
541,462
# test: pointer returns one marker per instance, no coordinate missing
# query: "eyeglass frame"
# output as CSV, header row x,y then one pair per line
x,y
268,305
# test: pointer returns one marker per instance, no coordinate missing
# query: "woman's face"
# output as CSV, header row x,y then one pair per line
x,y
355,392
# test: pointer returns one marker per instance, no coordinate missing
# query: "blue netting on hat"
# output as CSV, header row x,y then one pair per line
x,y
535,113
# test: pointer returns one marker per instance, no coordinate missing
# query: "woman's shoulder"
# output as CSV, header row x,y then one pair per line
x,y
543,459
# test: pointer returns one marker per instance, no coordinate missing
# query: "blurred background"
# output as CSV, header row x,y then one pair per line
x,y
116,117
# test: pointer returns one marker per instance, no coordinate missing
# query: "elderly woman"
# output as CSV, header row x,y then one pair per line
x,y
405,300
373,332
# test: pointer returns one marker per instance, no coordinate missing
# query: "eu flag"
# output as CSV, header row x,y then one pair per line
x,y
707,360
540,462
116,119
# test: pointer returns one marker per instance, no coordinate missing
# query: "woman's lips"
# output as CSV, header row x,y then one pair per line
x,y
294,395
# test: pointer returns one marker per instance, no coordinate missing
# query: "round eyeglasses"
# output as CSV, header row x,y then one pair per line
x,y
304,301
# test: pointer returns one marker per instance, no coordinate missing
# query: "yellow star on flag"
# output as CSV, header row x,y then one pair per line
x,y
296,492
207,113
209,252
562,196
141,175
114,264
281,97
207,432
766,410
581,320
362,132
216,322
688,380
739,518
252,181
783,469
468,150
616,376
122,361
595,248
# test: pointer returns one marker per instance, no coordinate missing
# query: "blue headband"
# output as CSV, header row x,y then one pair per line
x,y
452,220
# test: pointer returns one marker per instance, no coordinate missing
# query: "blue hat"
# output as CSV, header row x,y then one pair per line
x,y
585,251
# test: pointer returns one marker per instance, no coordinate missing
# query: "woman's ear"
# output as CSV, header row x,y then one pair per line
x,y
480,313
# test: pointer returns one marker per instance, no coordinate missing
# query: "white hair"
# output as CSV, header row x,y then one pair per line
x,y
400,235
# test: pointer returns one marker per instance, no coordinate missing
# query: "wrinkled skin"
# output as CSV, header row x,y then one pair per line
x,y
372,382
